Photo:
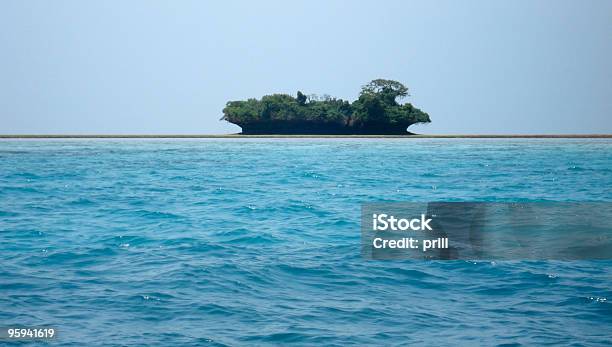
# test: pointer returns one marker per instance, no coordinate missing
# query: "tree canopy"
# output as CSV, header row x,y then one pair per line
x,y
378,105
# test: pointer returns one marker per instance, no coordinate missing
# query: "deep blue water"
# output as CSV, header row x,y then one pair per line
x,y
255,242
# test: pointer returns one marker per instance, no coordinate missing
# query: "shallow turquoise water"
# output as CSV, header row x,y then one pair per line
x,y
242,242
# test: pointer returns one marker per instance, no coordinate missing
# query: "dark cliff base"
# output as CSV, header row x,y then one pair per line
x,y
311,128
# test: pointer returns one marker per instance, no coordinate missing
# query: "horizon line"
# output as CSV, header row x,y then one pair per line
x,y
212,136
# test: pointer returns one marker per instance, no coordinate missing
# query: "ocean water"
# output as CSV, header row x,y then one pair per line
x,y
256,242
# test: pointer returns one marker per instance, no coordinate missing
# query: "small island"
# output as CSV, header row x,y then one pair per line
x,y
377,111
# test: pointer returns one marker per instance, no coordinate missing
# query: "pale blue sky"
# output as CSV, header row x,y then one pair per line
x,y
154,67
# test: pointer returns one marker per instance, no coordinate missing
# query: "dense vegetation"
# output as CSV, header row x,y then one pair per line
x,y
376,111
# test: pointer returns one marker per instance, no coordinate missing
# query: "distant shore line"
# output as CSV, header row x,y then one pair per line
x,y
239,136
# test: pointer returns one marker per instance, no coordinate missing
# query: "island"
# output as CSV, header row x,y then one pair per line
x,y
377,111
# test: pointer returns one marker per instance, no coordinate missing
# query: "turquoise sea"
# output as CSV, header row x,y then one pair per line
x,y
257,242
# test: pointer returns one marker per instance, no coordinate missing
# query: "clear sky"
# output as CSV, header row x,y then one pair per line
x,y
155,67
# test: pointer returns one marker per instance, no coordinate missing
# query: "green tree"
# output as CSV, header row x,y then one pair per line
x,y
388,88
301,98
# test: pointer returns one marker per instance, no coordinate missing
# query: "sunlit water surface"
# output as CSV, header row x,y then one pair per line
x,y
242,242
